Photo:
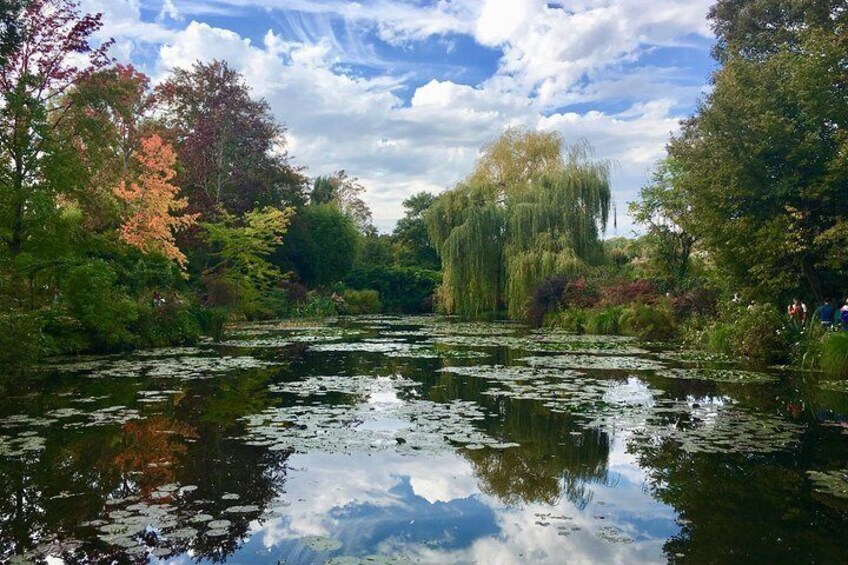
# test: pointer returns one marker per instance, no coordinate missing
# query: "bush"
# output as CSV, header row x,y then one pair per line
x,y
604,321
698,301
759,334
571,320
167,321
317,306
834,355
647,322
361,302
407,290
212,321
624,293
104,310
21,340
559,293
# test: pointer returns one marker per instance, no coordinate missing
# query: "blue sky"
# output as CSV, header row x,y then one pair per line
x,y
403,93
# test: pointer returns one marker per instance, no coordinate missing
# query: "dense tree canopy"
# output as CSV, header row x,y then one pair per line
x,y
320,246
763,165
756,29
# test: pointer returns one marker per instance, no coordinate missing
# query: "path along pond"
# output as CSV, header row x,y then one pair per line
x,y
422,440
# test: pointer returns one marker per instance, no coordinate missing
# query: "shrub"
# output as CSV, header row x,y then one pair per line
x,y
698,301
571,320
759,334
318,306
719,338
408,290
647,322
212,321
21,340
103,309
558,293
167,321
361,302
625,293
604,321
834,355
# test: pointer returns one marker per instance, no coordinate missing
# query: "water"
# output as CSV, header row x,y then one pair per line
x,y
394,440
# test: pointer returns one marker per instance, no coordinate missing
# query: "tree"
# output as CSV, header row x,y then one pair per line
x,y
320,246
410,235
52,54
243,246
511,225
664,209
10,21
150,202
231,147
345,193
757,29
512,161
102,130
762,164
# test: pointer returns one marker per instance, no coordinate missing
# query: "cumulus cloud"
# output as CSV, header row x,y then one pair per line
x,y
400,137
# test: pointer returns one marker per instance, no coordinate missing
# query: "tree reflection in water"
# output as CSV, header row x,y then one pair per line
x,y
163,470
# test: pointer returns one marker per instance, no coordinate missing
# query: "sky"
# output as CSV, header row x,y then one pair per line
x,y
404,93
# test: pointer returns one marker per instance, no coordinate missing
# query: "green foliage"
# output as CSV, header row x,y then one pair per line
x,y
762,165
570,320
666,212
317,306
21,340
104,310
402,289
410,235
361,302
834,355
320,246
375,250
604,321
166,320
647,322
212,320
242,246
527,213
758,332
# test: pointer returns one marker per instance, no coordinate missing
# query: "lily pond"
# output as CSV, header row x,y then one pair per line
x,y
421,440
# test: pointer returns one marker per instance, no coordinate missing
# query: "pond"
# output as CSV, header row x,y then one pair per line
x,y
420,440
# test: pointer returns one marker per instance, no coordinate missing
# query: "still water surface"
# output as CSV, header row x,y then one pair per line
x,y
423,440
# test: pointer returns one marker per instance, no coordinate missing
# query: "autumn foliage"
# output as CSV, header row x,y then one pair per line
x,y
149,220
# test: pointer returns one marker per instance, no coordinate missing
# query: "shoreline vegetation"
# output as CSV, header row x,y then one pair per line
x,y
134,216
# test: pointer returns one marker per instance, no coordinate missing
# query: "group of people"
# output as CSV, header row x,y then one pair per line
x,y
828,315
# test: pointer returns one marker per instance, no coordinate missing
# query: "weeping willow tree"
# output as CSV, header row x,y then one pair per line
x,y
529,211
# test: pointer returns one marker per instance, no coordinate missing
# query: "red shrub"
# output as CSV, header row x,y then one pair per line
x,y
628,292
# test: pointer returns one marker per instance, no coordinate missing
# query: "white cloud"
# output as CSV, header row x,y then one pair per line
x,y
551,57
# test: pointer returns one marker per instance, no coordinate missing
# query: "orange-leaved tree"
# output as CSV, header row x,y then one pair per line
x,y
149,221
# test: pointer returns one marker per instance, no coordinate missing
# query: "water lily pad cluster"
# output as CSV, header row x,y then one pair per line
x,y
355,385
383,422
165,521
831,483
22,444
734,376
179,367
605,362
719,426
835,386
